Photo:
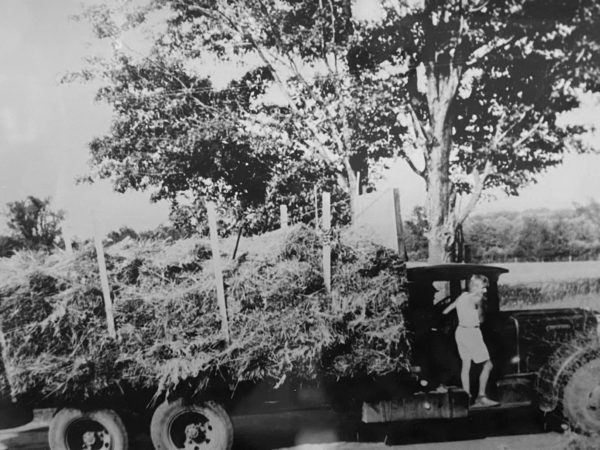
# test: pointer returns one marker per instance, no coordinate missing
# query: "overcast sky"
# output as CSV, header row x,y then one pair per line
x,y
45,128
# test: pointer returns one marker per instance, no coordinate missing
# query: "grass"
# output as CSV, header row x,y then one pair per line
x,y
540,272
536,285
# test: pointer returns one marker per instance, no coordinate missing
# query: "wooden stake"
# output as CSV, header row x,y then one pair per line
x,y
237,241
68,238
399,227
214,243
108,306
7,367
316,199
326,244
283,214
355,200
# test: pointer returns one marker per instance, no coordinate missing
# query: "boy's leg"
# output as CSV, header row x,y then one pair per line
x,y
464,375
482,400
484,377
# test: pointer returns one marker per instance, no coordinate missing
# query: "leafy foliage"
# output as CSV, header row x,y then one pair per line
x,y
33,224
534,235
470,94
8,245
294,118
484,85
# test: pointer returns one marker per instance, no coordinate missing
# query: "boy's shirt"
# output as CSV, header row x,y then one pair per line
x,y
466,309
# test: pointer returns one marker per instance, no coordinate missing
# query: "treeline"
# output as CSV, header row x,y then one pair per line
x,y
533,235
33,224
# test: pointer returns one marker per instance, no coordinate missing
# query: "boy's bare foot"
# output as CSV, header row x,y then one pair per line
x,y
442,389
483,402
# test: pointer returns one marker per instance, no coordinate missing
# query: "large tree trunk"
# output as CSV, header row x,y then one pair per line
x,y
442,86
438,194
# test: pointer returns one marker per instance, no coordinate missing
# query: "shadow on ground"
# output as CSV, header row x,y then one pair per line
x,y
323,426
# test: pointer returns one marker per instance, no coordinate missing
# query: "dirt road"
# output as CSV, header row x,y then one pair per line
x,y
33,437
513,431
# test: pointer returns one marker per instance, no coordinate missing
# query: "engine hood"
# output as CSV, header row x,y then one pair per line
x,y
540,332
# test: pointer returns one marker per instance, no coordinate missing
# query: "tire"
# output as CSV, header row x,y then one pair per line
x,y
182,425
70,428
581,398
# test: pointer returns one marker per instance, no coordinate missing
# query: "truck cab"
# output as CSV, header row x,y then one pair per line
x,y
522,344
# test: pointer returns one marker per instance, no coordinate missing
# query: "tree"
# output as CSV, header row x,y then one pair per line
x,y
416,234
122,233
296,116
484,86
469,93
34,224
8,246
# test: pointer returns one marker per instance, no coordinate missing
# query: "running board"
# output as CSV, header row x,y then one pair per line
x,y
422,405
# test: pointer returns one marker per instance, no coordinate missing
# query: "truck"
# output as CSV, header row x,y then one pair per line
x,y
535,364
547,359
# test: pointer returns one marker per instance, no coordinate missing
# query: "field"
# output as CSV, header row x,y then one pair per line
x,y
551,284
540,272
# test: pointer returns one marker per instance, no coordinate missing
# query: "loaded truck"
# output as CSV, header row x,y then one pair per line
x,y
535,363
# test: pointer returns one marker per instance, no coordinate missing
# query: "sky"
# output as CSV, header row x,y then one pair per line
x,y
45,127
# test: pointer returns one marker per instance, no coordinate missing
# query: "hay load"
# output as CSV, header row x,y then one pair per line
x,y
282,323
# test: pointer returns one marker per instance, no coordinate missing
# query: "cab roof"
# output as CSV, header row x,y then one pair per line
x,y
451,271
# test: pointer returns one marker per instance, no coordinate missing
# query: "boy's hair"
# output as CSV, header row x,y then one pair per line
x,y
479,278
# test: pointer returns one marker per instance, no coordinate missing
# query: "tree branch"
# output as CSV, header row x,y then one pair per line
x,y
478,185
486,49
529,134
414,168
333,31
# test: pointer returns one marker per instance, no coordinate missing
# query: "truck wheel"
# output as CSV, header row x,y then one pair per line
x,y
72,429
190,426
581,398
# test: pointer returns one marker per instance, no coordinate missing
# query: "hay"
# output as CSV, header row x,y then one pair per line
x,y
282,323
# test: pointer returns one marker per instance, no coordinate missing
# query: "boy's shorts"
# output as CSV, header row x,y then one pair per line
x,y
470,344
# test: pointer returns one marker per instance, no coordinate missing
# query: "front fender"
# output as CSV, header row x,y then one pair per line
x,y
554,375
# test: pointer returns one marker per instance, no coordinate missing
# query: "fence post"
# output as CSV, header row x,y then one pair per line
x,y
214,244
399,226
67,238
316,200
7,368
283,215
108,306
355,200
326,244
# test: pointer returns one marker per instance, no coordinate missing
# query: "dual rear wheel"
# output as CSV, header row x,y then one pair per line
x,y
189,426
581,398
72,428
176,425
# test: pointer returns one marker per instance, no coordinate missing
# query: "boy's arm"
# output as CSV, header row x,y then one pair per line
x,y
450,307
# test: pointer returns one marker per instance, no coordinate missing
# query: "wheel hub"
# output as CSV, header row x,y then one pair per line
x,y
87,435
191,430
196,434
594,401
89,439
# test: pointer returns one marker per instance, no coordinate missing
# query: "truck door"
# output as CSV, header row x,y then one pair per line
x,y
443,344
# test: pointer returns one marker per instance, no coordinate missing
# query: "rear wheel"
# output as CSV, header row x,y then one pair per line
x,y
190,426
73,428
581,398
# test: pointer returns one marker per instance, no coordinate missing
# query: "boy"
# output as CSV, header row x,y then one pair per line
x,y
469,338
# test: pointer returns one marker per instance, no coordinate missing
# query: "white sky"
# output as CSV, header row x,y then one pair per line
x,y
45,128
